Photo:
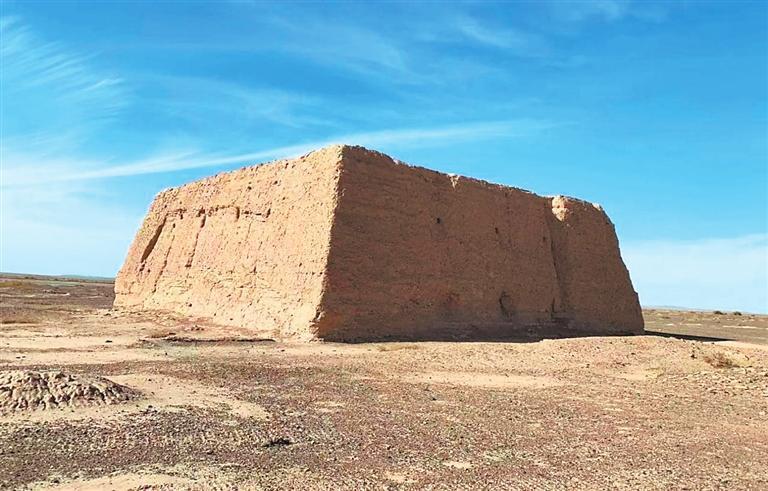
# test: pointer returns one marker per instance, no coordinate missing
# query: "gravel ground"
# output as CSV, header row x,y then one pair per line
x,y
684,408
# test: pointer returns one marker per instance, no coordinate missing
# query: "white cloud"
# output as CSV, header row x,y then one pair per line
x,y
339,42
53,220
23,169
516,41
206,101
45,81
725,274
577,11
611,10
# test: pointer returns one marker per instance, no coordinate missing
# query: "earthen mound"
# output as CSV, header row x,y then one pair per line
x,y
26,390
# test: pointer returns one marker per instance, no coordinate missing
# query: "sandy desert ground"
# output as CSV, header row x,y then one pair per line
x,y
92,398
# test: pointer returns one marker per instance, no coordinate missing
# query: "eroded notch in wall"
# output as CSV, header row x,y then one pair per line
x,y
152,242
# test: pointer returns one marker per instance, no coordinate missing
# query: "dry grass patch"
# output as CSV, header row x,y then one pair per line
x,y
397,347
160,333
22,285
12,315
721,359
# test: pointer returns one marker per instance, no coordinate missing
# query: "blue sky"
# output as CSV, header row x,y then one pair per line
x,y
656,110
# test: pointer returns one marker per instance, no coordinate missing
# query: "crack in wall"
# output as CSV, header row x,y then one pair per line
x,y
554,219
165,260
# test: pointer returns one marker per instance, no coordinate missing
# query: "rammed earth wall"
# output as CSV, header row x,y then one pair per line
x,y
348,244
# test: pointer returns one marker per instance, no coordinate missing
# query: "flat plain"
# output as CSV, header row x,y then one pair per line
x,y
119,400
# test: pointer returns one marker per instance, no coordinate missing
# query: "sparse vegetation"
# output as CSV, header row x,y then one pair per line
x,y
396,347
204,394
18,285
19,316
722,359
719,360
160,333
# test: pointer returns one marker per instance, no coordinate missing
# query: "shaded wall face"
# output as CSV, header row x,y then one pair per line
x,y
595,285
414,250
246,248
419,254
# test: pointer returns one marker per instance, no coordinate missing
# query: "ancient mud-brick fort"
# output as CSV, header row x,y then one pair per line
x,y
348,244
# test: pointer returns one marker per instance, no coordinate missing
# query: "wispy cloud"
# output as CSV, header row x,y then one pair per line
x,y
518,42
332,41
328,34
210,100
610,10
724,273
48,82
23,171
577,11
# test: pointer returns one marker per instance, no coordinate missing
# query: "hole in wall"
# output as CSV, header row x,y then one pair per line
x,y
505,302
438,220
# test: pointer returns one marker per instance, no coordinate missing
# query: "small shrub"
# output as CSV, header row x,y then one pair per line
x,y
719,360
737,313
722,359
718,312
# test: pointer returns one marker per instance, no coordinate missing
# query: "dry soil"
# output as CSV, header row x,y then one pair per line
x,y
683,407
